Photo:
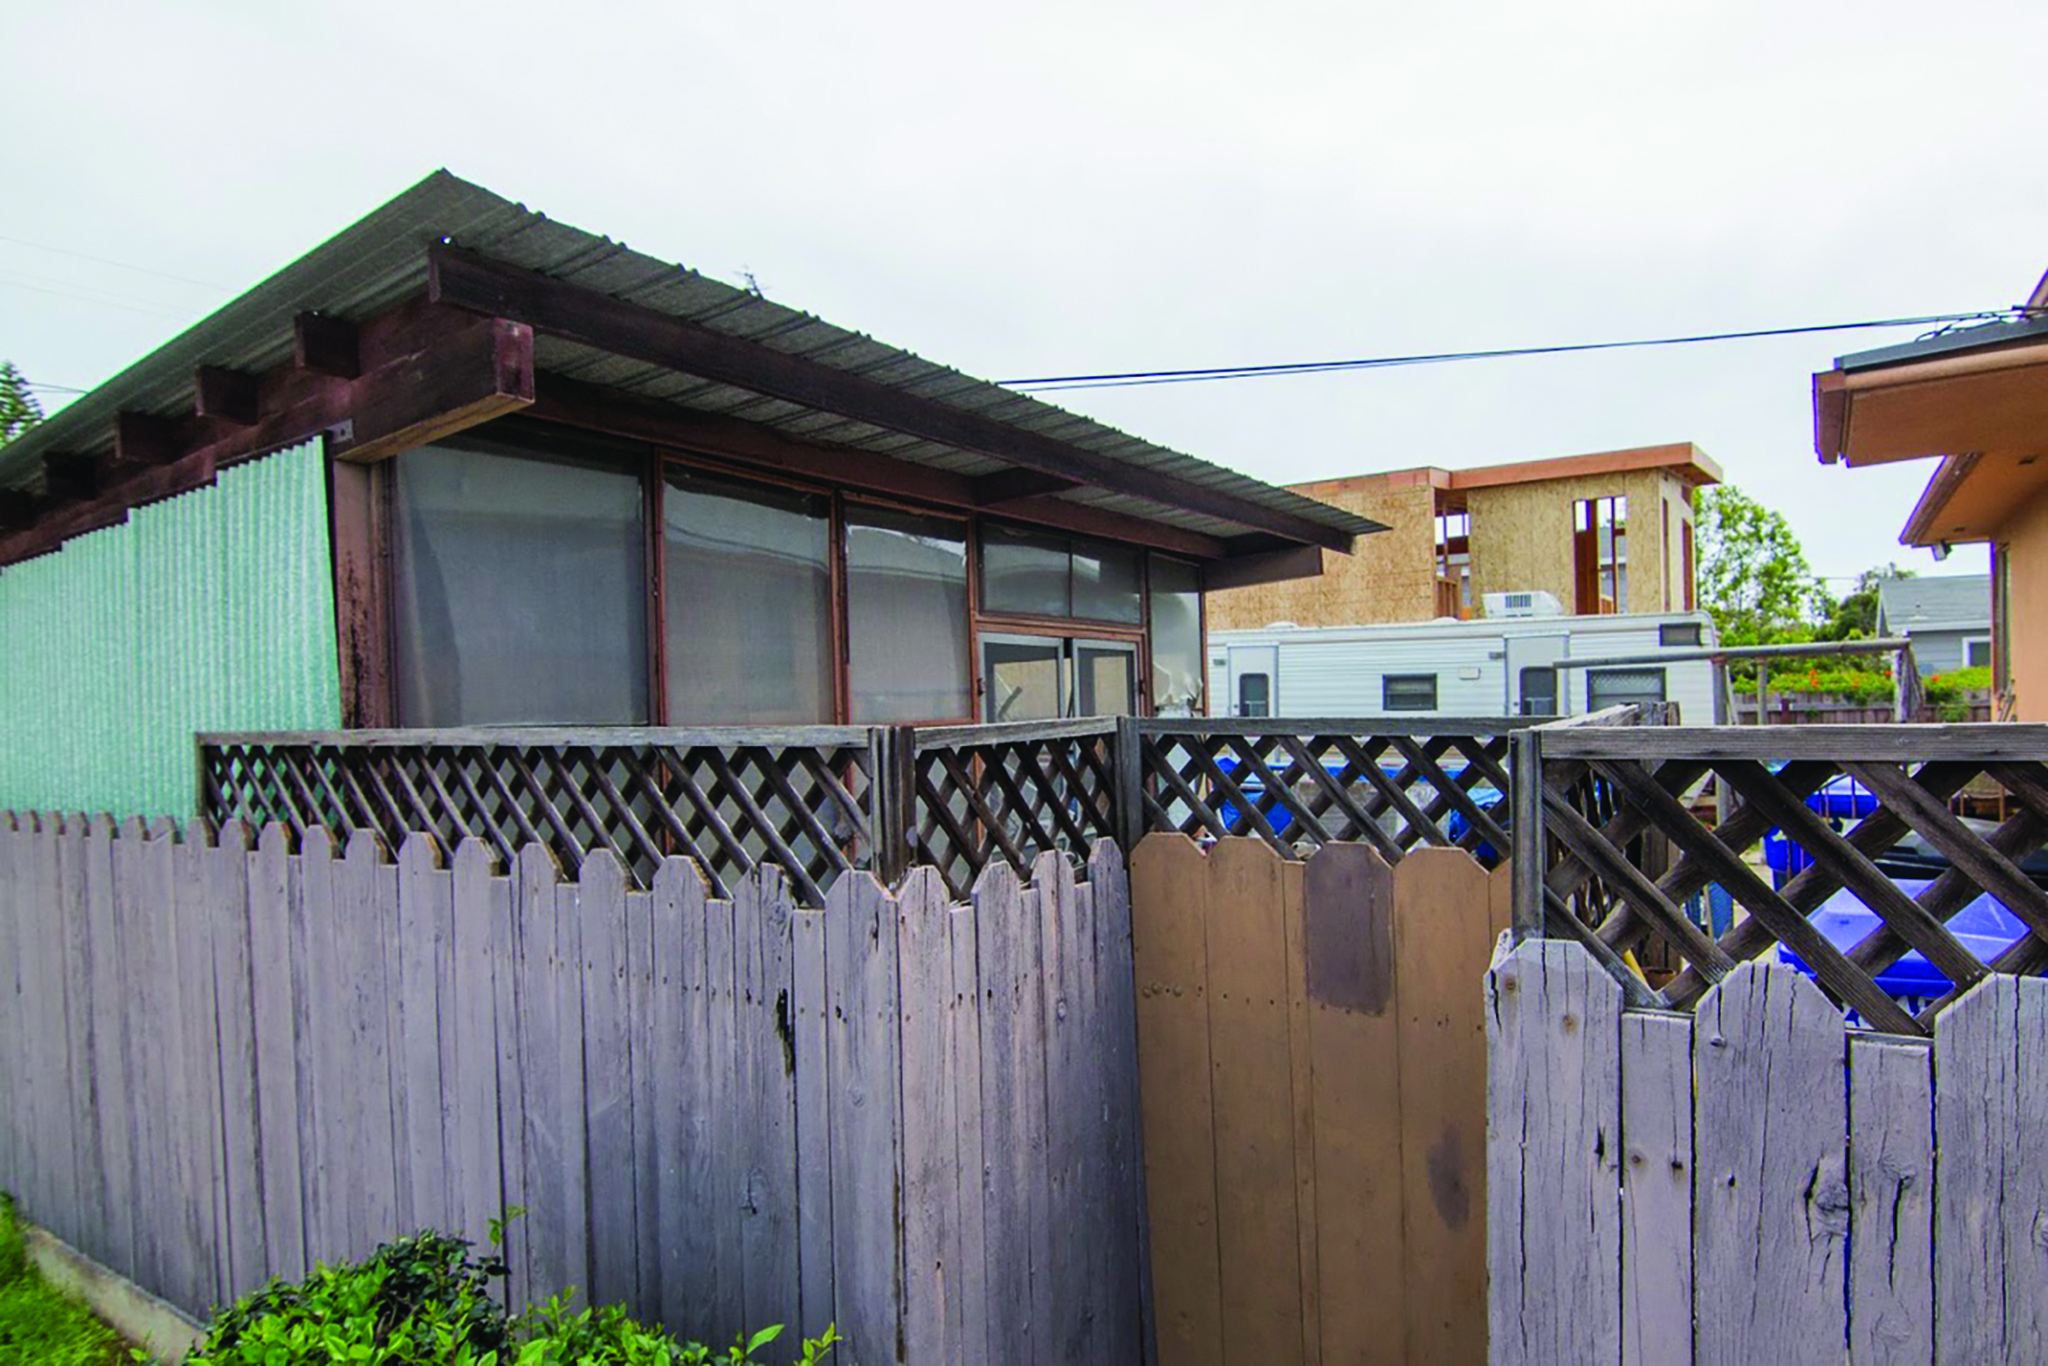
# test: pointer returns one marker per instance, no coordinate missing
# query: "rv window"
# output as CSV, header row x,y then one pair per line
x,y
1408,692
1678,633
1254,695
906,616
1539,690
1613,687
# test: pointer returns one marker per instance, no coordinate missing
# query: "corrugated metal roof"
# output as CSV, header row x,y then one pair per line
x,y
381,260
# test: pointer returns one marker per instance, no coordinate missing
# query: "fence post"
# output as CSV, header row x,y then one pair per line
x,y
1129,763
892,805
1525,769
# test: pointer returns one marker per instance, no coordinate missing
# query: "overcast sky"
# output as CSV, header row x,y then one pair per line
x,y
1114,186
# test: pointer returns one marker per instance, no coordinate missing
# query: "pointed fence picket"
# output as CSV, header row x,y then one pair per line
x,y
1757,1181
223,1058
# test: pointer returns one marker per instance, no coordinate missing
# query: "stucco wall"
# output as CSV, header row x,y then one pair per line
x,y
1391,576
1522,535
2023,545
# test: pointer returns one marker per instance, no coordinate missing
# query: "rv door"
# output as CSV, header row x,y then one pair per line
x,y
1533,676
1253,680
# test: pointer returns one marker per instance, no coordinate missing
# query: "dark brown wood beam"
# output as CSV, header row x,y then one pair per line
x,y
427,371
594,408
230,395
558,308
327,345
70,479
1270,566
17,509
1008,486
140,439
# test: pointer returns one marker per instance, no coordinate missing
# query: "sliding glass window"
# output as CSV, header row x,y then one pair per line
x,y
906,616
519,588
746,602
1176,638
1045,574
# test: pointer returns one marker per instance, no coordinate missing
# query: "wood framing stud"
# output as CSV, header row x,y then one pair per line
x,y
326,345
229,395
140,439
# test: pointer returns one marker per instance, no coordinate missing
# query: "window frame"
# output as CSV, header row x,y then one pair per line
x,y
1388,682
1666,628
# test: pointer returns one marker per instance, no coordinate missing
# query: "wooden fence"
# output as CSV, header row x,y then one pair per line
x,y
1755,1182
1842,807
1312,1060
222,1061
822,801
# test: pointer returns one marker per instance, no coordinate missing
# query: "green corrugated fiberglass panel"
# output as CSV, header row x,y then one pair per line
x,y
210,611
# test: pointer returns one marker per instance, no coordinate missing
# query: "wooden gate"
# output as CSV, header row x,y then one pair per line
x,y
1313,1067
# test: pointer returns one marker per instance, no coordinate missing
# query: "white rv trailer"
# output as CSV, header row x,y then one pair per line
x,y
1495,666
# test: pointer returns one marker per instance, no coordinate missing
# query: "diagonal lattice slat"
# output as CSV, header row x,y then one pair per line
x,y
1854,823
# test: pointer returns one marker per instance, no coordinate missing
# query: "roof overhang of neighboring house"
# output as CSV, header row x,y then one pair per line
x,y
1976,397
450,306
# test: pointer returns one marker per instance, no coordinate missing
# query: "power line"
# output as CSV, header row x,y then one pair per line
x,y
1134,378
118,265
93,299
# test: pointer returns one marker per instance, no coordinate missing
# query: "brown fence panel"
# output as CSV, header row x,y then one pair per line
x,y
1312,1059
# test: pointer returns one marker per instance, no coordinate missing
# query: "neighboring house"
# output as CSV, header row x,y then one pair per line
x,y
1947,619
1977,399
465,465
1603,533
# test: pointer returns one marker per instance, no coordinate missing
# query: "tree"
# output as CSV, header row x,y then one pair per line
x,y
1855,616
19,410
1753,576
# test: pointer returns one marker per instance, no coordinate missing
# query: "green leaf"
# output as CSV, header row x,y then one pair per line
x,y
763,1338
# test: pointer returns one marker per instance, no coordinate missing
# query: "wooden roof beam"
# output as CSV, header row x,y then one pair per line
x,y
570,311
230,395
17,510
1009,486
327,345
140,439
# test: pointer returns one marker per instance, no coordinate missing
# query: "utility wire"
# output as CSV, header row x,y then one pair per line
x,y
1133,378
118,265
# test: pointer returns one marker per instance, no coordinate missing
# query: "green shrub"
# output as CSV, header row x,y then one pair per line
x,y
427,1301
1956,685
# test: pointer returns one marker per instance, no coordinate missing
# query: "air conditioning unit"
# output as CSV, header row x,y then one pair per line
x,y
1529,603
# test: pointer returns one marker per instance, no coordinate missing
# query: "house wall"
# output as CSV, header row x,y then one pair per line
x,y
1391,576
1522,536
2023,547
213,610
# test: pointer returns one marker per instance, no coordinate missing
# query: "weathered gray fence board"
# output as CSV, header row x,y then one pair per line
x,y
1770,1147
725,1184
236,941
1991,1206
1013,1111
1553,1149
1891,1201
813,1120
470,1051
112,1096
932,1243
1129,1275
680,1122
1656,1187
724,1112
766,1083
646,1088
867,1253
607,1080
88,1214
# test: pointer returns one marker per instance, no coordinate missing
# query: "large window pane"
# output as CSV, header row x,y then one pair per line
x,y
1024,678
1023,571
906,609
747,602
1106,583
1176,638
520,589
